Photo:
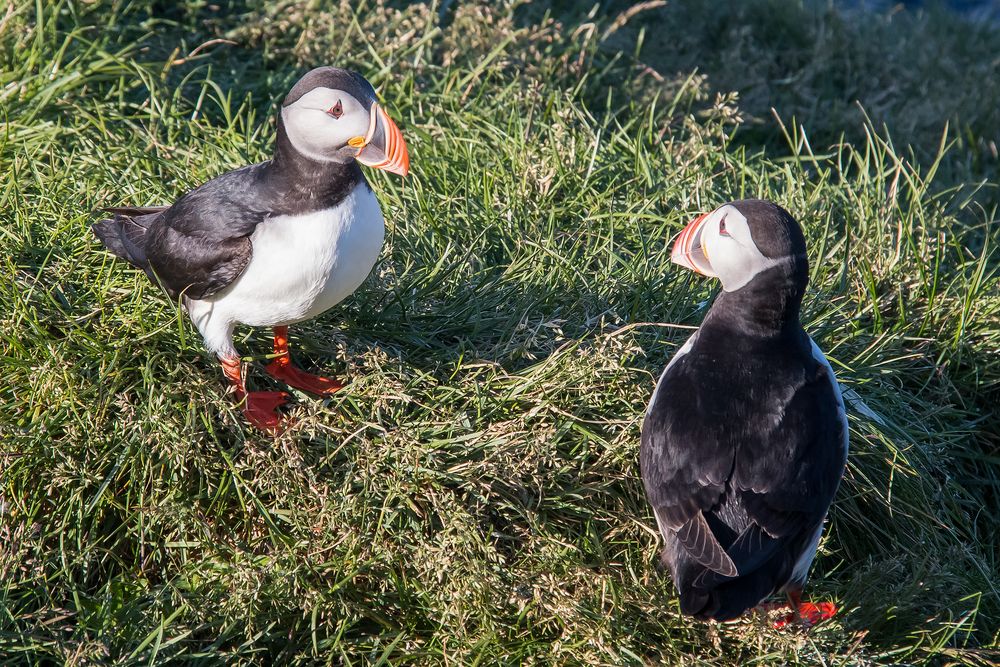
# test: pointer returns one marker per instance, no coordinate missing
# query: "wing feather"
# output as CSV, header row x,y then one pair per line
x,y
703,546
134,211
201,244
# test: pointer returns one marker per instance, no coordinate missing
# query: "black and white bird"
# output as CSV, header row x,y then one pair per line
x,y
279,242
745,439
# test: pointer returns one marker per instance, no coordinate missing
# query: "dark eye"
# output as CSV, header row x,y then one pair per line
x,y
722,228
337,110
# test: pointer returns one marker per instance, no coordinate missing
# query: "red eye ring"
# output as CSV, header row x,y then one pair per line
x,y
722,227
337,110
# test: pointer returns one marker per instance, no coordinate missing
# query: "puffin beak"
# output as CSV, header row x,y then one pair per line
x,y
689,248
383,147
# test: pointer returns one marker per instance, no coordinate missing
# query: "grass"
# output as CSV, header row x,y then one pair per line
x,y
473,497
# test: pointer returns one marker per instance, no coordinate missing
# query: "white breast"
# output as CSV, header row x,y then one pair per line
x,y
301,265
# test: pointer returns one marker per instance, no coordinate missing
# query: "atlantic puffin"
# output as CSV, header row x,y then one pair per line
x,y
745,439
274,243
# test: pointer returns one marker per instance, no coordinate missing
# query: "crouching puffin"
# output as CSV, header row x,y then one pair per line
x,y
279,242
744,442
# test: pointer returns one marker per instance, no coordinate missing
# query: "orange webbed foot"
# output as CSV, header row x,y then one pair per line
x,y
283,370
808,614
261,410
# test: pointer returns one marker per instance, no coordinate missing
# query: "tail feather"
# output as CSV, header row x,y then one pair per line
x,y
124,234
764,564
725,600
113,237
108,232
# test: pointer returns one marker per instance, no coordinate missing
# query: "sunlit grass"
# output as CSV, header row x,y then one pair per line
x,y
474,494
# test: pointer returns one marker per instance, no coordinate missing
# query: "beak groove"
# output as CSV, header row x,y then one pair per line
x,y
384,146
689,251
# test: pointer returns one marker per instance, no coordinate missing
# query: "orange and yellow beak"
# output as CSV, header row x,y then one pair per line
x,y
689,249
383,147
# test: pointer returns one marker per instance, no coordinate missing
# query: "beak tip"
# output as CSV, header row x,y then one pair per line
x,y
401,166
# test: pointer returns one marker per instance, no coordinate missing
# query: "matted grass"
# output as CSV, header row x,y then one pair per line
x,y
473,496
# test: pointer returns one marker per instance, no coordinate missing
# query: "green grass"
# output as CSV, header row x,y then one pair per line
x,y
473,497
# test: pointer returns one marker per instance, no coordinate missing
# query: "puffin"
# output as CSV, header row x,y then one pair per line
x,y
274,243
745,438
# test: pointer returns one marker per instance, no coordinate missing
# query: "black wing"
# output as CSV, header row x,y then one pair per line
x,y
686,467
787,481
199,245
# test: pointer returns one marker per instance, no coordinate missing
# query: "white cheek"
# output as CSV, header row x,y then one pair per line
x,y
303,127
352,124
318,135
735,264
728,259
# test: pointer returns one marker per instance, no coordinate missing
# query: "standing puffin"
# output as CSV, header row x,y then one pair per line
x,y
745,439
279,242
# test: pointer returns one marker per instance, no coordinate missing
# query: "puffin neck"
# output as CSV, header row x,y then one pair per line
x,y
317,184
768,305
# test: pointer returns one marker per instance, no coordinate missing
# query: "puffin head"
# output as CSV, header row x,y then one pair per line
x,y
332,115
742,239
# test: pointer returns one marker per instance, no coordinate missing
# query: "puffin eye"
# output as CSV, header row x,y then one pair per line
x,y
337,110
722,227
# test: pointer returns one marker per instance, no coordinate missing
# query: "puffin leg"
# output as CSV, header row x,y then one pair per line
x,y
806,614
259,407
282,368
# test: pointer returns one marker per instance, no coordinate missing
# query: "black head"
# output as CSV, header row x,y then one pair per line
x,y
741,240
332,78
332,115
758,252
774,231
